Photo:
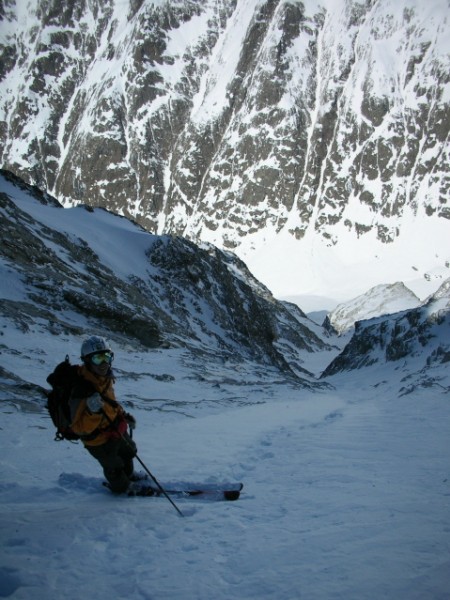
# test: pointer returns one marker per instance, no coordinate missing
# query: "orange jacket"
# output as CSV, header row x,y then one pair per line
x,y
95,428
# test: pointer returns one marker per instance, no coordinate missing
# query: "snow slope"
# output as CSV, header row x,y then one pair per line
x,y
347,492
319,275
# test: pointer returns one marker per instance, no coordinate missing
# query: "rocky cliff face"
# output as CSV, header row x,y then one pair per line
x,y
221,119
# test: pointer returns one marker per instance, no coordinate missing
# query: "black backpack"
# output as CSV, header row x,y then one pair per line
x,y
63,379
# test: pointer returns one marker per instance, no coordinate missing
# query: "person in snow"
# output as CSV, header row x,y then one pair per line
x,y
99,419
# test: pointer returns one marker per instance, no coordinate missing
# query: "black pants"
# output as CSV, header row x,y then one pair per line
x,y
116,458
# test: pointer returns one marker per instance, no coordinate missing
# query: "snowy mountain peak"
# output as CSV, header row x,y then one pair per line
x,y
378,301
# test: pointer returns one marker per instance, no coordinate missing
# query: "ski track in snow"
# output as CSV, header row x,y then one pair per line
x,y
346,496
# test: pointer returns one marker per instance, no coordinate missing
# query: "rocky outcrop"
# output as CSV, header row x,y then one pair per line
x,y
75,280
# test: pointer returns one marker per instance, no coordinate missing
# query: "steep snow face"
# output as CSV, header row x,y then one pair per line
x,y
310,137
346,492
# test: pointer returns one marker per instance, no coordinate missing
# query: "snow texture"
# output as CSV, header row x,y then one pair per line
x,y
346,496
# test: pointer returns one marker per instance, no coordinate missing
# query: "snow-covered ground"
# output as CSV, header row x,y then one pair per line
x,y
347,491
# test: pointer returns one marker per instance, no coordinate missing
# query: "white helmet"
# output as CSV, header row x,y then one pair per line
x,y
93,344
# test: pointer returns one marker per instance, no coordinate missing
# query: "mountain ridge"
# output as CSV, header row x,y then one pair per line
x,y
70,271
380,300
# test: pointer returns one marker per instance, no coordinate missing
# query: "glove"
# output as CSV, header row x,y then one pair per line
x,y
94,403
117,428
130,420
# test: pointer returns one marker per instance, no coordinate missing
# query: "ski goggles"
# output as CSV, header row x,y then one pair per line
x,y
100,357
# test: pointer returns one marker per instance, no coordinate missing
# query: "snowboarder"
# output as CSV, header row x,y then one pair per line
x,y
97,417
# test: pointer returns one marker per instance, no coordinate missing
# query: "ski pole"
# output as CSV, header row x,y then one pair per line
x,y
161,489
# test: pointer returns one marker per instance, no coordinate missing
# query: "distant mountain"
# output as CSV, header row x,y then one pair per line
x,y
241,123
69,272
378,301
417,340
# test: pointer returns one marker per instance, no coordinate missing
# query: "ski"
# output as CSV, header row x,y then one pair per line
x,y
212,492
231,493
